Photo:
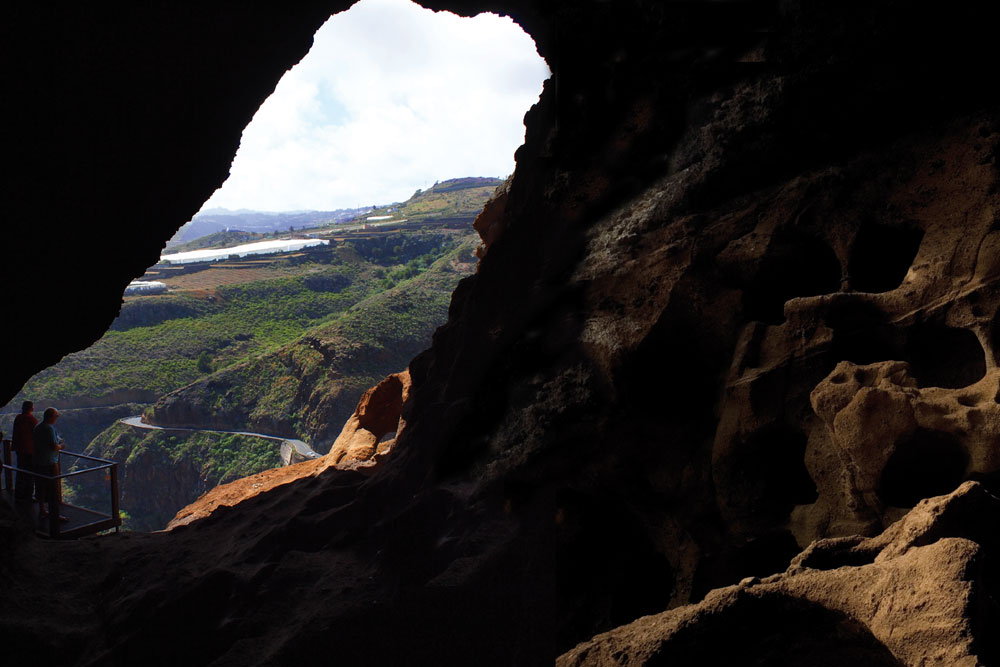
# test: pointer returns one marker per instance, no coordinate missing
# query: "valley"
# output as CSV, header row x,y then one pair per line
x,y
281,344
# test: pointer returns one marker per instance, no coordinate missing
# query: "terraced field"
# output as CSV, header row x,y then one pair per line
x,y
217,276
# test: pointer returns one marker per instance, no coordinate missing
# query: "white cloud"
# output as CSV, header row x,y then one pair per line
x,y
391,97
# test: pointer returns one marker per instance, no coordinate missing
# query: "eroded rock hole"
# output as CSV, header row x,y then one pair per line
x,y
941,356
793,266
862,333
930,463
881,256
938,355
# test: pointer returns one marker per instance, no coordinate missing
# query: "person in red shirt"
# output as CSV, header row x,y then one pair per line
x,y
24,445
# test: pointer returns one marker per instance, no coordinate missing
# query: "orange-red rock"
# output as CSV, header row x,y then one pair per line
x,y
376,423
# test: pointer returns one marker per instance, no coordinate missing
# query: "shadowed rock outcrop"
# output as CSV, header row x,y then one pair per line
x,y
917,594
741,285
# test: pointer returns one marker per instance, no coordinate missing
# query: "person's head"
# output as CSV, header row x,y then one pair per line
x,y
27,406
50,415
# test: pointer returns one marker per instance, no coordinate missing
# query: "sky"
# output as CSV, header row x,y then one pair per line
x,y
392,97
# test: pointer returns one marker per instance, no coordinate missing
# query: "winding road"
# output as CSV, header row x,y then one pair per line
x,y
292,450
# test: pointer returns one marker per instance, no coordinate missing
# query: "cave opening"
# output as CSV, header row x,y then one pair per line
x,y
862,333
942,356
938,355
881,256
364,170
928,463
795,265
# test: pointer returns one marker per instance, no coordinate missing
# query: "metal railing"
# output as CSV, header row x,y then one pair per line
x,y
78,521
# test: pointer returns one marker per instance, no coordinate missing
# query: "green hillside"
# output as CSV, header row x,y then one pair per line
x,y
309,387
163,342
306,388
454,197
197,462
281,344
458,199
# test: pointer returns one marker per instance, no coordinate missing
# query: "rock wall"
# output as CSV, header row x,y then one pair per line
x,y
737,294
830,606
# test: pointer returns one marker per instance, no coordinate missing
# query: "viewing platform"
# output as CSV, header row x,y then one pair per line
x,y
78,521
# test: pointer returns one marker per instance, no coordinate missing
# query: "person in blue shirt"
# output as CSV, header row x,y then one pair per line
x,y
47,444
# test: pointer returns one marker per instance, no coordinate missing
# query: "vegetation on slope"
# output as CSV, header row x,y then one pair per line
x,y
309,387
283,345
163,342
455,197
197,462
306,388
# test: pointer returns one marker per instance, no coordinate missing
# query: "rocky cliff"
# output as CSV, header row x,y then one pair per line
x,y
739,295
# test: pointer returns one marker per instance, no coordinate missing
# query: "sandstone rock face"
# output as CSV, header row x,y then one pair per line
x,y
917,594
228,495
740,293
366,440
376,423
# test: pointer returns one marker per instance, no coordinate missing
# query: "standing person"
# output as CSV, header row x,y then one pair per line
x,y
47,446
24,425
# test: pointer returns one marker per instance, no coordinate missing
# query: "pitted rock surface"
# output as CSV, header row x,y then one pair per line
x,y
915,595
376,423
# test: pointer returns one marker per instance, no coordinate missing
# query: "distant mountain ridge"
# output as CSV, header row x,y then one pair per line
x,y
261,222
215,220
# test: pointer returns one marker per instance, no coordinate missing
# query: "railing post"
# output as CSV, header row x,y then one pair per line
x,y
8,474
115,514
54,496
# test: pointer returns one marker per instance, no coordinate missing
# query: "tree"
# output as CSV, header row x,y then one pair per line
x,y
205,362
